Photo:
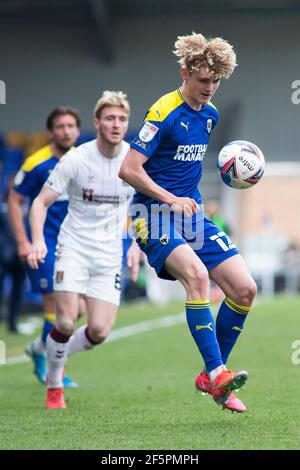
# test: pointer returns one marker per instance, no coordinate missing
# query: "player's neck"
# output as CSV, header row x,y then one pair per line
x,y
57,151
107,149
189,100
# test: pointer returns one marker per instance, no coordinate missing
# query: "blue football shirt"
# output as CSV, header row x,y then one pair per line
x,y
29,182
174,137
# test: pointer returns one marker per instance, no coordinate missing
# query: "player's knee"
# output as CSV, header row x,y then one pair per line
x,y
98,334
247,293
65,325
195,281
196,276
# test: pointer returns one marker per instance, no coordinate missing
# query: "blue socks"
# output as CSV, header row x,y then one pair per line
x,y
229,324
202,327
49,321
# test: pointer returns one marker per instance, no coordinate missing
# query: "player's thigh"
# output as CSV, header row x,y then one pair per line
x,y
82,306
234,278
160,244
67,305
101,315
183,264
71,276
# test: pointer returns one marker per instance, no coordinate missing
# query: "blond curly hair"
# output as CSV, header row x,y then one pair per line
x,y
216,54
112,98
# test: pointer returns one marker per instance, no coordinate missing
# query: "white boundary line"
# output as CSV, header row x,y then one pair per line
x,y
132,330
11,361
124,332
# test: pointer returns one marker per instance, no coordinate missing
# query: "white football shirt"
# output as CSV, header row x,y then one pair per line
x,y
98,201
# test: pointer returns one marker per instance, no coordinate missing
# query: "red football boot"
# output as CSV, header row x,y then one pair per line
x,y
232,403
55,398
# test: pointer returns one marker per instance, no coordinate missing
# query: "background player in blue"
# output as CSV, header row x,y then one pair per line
x,y
164,164
63,126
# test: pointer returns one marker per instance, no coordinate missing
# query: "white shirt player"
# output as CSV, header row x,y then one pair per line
x,y
98,201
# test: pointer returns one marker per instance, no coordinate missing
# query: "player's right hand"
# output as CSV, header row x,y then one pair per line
x,y
37,254
185,205
24,249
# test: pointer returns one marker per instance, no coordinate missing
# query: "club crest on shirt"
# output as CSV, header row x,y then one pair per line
x,y
164,239
148,132
209,125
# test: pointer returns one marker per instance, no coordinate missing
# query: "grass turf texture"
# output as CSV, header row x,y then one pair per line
x,y
138,392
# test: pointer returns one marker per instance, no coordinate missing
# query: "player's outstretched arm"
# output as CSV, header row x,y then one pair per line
x,y
37,217
15,203
133,173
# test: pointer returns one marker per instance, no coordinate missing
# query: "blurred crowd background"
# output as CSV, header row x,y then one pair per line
x,y
67,52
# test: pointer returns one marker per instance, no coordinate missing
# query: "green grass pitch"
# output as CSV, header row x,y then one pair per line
x,y
138,392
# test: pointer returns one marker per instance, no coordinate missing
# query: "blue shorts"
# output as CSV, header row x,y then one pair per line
x,y
41,279
214,247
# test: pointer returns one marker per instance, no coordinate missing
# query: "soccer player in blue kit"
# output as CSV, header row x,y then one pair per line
x,y
63,126
164,165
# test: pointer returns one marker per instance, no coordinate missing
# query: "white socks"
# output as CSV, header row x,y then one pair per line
x,y
79,341
214,373
57,354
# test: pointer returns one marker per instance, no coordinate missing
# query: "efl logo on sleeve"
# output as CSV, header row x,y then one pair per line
x,y
148,132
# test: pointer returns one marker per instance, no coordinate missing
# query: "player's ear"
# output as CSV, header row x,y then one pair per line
x,y
50,134
184,73
96,122
78,132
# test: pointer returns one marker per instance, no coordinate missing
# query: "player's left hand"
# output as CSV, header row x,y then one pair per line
x,y
37,254
133,260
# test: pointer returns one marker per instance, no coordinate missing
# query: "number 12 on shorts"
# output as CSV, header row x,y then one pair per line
x,y
226,244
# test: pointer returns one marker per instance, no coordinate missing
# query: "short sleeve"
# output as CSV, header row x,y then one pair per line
x,y
60,177
148,138
157,124
25,182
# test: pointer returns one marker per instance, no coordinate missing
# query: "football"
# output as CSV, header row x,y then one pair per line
x,y
241,164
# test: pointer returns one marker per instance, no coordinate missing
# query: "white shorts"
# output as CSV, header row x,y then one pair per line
x,y
92,277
